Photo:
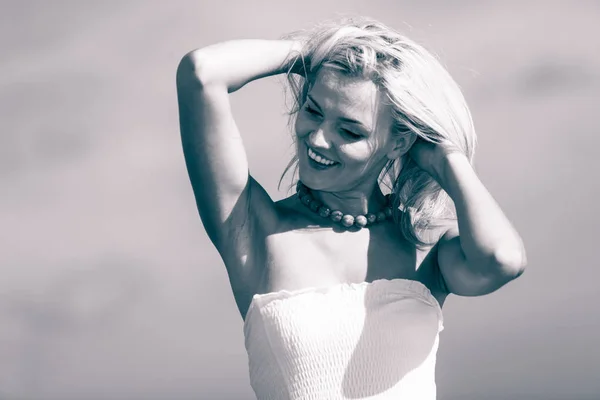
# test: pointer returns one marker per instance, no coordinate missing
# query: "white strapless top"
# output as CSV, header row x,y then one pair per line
x,y
364,340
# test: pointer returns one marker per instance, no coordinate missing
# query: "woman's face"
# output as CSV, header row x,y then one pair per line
x,y
346,126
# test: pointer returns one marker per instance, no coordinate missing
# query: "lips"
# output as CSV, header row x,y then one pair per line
x,y
320,158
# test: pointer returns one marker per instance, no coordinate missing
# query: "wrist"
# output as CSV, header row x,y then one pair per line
x,y
295,62
449,168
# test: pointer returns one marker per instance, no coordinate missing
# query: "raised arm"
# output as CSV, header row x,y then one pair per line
x,y
213,149
489,252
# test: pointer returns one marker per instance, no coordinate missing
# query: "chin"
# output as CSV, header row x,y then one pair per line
x,y
315,182
310,178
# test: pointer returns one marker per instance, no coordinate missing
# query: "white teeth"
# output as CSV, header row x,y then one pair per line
x,y
318,158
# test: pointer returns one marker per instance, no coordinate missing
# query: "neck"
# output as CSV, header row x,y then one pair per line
x,y
357,201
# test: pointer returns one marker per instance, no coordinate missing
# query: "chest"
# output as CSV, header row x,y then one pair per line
x,y
317,257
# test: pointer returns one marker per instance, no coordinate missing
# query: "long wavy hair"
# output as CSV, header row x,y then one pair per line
x,y
424,99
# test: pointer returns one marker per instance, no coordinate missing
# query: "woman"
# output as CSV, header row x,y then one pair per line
x,y
340,285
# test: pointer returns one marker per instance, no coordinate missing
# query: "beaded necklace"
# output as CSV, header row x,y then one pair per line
x,y
347,220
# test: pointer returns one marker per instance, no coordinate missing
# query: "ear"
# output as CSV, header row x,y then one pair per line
x,y
401,144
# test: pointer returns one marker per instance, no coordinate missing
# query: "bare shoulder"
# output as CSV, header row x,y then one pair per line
x,y
260,238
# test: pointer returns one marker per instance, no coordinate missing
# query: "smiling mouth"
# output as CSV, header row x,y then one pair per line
x,y
319,159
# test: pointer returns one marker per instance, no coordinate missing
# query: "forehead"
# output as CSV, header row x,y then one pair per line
x,y
352,97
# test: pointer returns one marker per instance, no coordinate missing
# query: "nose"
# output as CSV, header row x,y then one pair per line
x,y
318,138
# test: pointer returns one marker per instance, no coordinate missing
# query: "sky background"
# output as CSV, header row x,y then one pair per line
x,y
110,288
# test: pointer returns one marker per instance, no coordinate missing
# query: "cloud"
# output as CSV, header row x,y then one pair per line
x,y
88,297
555,76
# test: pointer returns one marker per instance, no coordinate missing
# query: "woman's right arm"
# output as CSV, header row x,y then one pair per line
x,y
213,149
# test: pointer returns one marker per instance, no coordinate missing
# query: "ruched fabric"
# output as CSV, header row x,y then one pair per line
x,y
374,340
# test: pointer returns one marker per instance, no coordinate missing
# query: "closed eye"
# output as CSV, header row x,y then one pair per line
x,y
316,113
351,134
312,111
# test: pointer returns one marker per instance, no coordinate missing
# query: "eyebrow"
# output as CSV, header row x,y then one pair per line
x,y
345,119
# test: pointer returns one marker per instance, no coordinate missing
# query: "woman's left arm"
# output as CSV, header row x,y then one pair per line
x,y
489,252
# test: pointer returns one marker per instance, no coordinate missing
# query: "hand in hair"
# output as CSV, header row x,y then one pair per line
x,y
431,157
295,62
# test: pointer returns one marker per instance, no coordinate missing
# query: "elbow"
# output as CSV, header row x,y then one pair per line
x,y
190,71
510,262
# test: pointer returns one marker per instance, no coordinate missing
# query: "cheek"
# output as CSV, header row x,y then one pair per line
x,y
358,152
302,126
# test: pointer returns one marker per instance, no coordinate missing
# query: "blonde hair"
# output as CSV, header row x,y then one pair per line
x,y
425,100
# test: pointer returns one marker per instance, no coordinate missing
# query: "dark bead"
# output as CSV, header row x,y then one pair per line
x,y
336,216
388,212
360,221
314,205
371,218
306,199
380,216
301,190
324,211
